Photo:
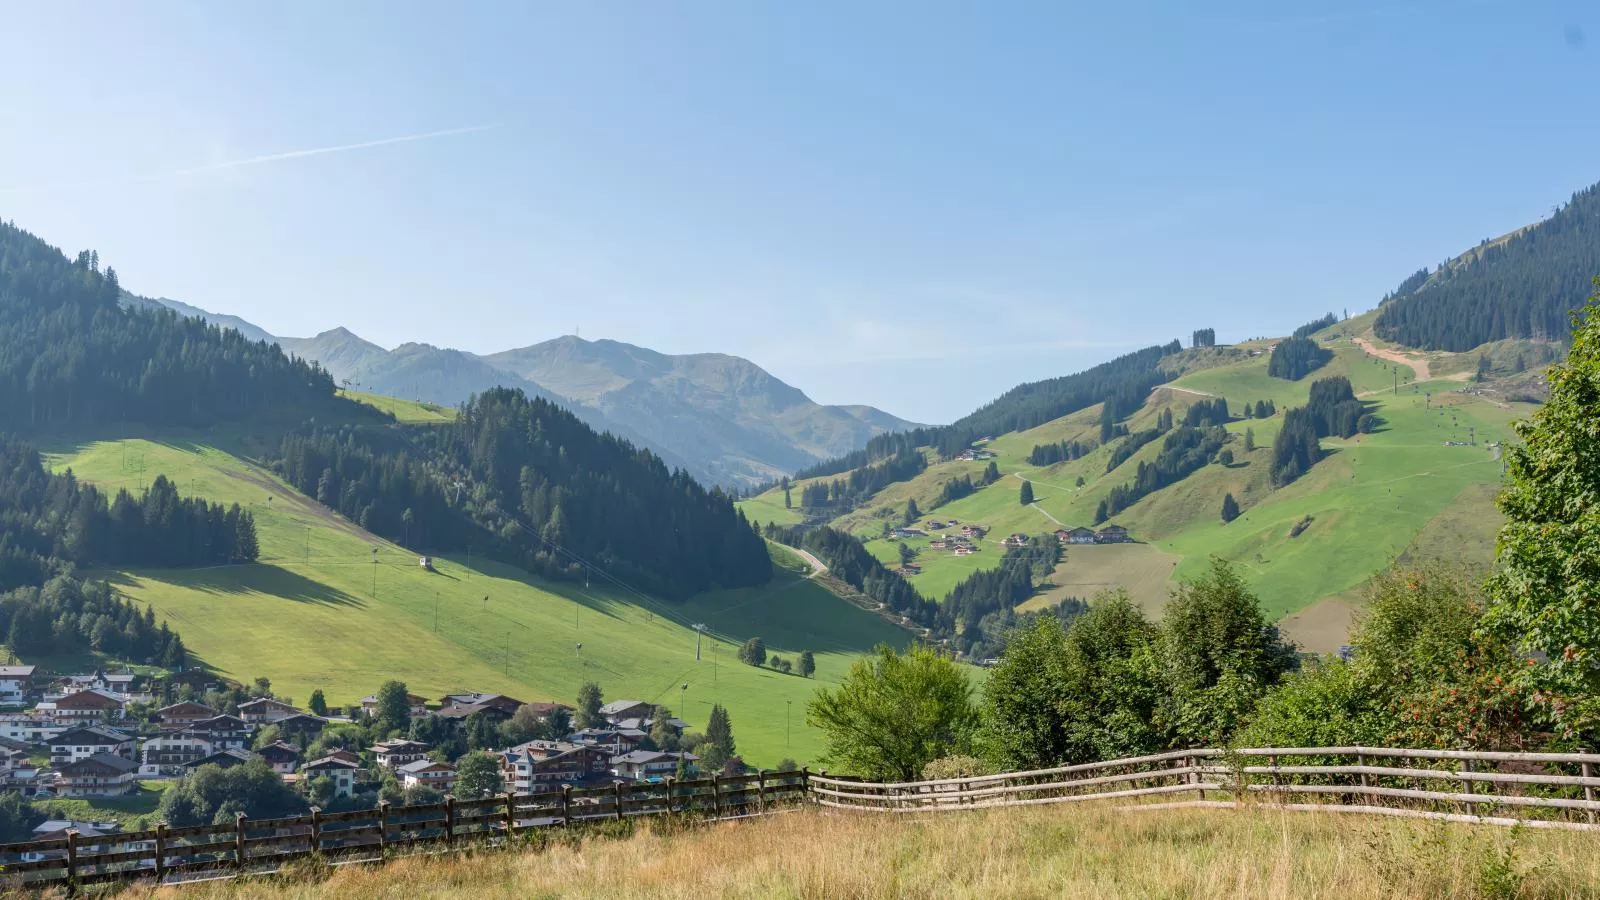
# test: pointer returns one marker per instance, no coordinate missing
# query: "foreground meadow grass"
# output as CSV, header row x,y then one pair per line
x,y
1084,851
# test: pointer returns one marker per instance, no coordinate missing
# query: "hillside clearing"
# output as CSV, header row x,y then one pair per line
x,y
330,606
1088,851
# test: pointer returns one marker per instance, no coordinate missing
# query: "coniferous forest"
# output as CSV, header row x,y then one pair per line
x,y
528,483
71,354
1297,357
1522,287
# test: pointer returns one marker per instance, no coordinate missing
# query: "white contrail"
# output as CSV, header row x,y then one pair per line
x,y
340,148
247,161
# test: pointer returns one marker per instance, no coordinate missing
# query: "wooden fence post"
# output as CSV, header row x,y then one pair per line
x,y
672,790
449,820
511,815
616,801
72,861
316,829
1361,760
383,826
716,796
761,790
1588,792
805,783
161,851
566,805
238,839
1197,777
1273,762
1466,783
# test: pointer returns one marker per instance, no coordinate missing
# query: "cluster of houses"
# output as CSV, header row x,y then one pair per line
x,y
95,750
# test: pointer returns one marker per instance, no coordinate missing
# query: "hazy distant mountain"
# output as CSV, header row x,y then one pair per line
x,y
723,418
250,331
747,425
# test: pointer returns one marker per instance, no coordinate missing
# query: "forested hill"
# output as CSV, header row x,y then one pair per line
x,y
71,354
527,482
1521,286
1122,383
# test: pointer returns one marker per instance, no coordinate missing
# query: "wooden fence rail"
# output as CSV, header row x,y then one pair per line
x,y
1543,790
1539,790
258,846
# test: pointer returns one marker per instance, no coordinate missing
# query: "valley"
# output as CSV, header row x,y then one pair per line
x,y
329,606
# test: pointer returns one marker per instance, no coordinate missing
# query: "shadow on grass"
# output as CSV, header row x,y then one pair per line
x,y
247,578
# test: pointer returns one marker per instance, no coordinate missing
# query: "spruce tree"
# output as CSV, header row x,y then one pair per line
x,y
1025,496
808,664
1230,509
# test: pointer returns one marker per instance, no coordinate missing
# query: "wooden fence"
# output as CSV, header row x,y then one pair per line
x,y
1538,790
259,846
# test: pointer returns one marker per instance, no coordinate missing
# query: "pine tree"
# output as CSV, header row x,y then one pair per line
x,y
1230,509
808,664
1025,496
719,745
912,513
1100,514
1249,440
317,704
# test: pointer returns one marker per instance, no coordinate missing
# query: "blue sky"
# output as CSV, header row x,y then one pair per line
x,y
913,205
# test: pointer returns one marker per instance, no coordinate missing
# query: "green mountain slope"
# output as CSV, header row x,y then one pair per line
x,y
1521,285
331,606
1376,497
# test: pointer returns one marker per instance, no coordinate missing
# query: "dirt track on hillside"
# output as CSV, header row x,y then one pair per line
x,y
1418,366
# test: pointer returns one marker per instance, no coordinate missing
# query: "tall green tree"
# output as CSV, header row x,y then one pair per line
x,y
753,651
1025,496
894,713
912,513
1025,699
808,664
589,703
1219,654
318,704
719,745
477,775
394,707
1544,588
1230,509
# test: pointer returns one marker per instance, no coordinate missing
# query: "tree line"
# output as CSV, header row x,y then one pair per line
x,y
49,522
526,482
1021,571
1331,411
1184,451
1061,451
852,563
841,494
1525,286
1295,358
1316,325
72,354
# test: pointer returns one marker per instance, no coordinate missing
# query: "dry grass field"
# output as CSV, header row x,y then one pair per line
x,y
1050,852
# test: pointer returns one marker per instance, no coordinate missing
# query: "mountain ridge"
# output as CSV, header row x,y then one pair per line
x,y
721,417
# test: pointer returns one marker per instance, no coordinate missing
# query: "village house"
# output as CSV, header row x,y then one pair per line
x,y
935,525
85,741
166,754
29,727
395,753
266,711
617,710
222,759
612,740
908,570
16,683
222,732
418,704
939,543
100,775
645,765
1112,534
89,705
283,758
965,550
1016,540
495,707
538,765
301,723
1076,536
182,715
341,771
427,773
12,755
88,834
908,533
